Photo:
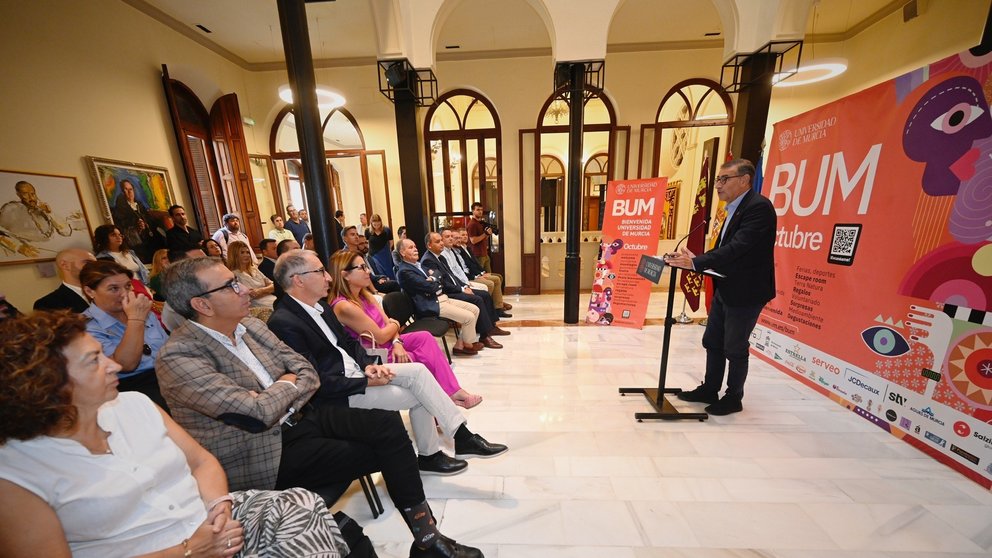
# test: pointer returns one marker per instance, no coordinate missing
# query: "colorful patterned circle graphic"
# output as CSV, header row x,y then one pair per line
x,y
969,367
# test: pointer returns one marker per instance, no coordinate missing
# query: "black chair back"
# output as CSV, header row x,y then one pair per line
x,y
399,307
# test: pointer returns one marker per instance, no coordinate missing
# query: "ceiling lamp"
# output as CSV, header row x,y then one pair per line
x,y
820,70
326,99
557,110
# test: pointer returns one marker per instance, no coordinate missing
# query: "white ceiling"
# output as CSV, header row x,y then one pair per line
x,y
248,30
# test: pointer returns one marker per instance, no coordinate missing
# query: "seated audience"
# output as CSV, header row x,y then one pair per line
x,y
87,472
400,235
454,266
259,286
486,324
7,310
170,319
356,308
181,236
474,270
109,244
348,375
232,232
244,395
429,299
160,261
69,295
281,248
122,321
352,241
211,248
297,226
268,249
279,231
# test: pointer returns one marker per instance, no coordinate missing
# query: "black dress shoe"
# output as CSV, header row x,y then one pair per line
x,y
725,406
477,446
699,395
498,331
446,548
441,464
503,314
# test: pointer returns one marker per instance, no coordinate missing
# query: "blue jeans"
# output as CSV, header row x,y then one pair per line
x,y
728,329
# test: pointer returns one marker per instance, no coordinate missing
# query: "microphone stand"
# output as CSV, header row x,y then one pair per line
x,y
656,396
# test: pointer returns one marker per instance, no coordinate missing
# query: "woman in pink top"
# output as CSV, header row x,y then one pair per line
x,y
358,311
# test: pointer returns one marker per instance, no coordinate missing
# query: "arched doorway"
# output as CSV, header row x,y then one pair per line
x,y
462,130
356,175
693,114
543,151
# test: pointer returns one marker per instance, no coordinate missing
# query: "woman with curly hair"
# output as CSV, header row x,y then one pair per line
x,y
85,471
358,311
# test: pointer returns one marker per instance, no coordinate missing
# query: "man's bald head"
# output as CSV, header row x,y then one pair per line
x,y
70,261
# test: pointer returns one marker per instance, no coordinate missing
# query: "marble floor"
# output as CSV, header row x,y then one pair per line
x,y
793,476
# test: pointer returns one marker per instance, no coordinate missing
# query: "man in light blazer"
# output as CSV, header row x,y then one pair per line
x,y
244,395
744,256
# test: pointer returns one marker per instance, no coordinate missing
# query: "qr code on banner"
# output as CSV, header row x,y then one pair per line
x,y
844,244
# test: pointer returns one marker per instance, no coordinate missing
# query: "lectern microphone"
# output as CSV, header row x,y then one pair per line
x,y
698,226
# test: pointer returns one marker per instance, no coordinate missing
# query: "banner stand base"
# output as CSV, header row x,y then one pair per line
x,y
665,410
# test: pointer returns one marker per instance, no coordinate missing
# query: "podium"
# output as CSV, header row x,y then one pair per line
x,y
651,268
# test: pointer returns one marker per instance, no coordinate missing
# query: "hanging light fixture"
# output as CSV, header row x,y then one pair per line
x,y
557,109
821,70
326,99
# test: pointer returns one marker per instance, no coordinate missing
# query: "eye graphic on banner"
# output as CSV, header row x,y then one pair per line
x,y
885,341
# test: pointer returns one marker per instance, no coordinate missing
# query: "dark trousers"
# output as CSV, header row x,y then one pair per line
x,y
147,383
339,444
487,312
728,329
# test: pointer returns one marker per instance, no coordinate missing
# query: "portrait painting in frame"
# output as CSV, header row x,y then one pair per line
x,y
136,198
40,215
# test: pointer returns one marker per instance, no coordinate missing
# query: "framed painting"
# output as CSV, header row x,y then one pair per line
x,y
40,214
136,198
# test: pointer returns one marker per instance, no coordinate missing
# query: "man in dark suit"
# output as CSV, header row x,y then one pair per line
x,y
432,262
267,266
744,256
69,295
350,377
493,281
245,396
429,299
181,236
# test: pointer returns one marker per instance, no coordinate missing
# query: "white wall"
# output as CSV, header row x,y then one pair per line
x,y
83,78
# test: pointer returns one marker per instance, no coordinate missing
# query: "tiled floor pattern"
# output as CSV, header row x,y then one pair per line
x,y
793,476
